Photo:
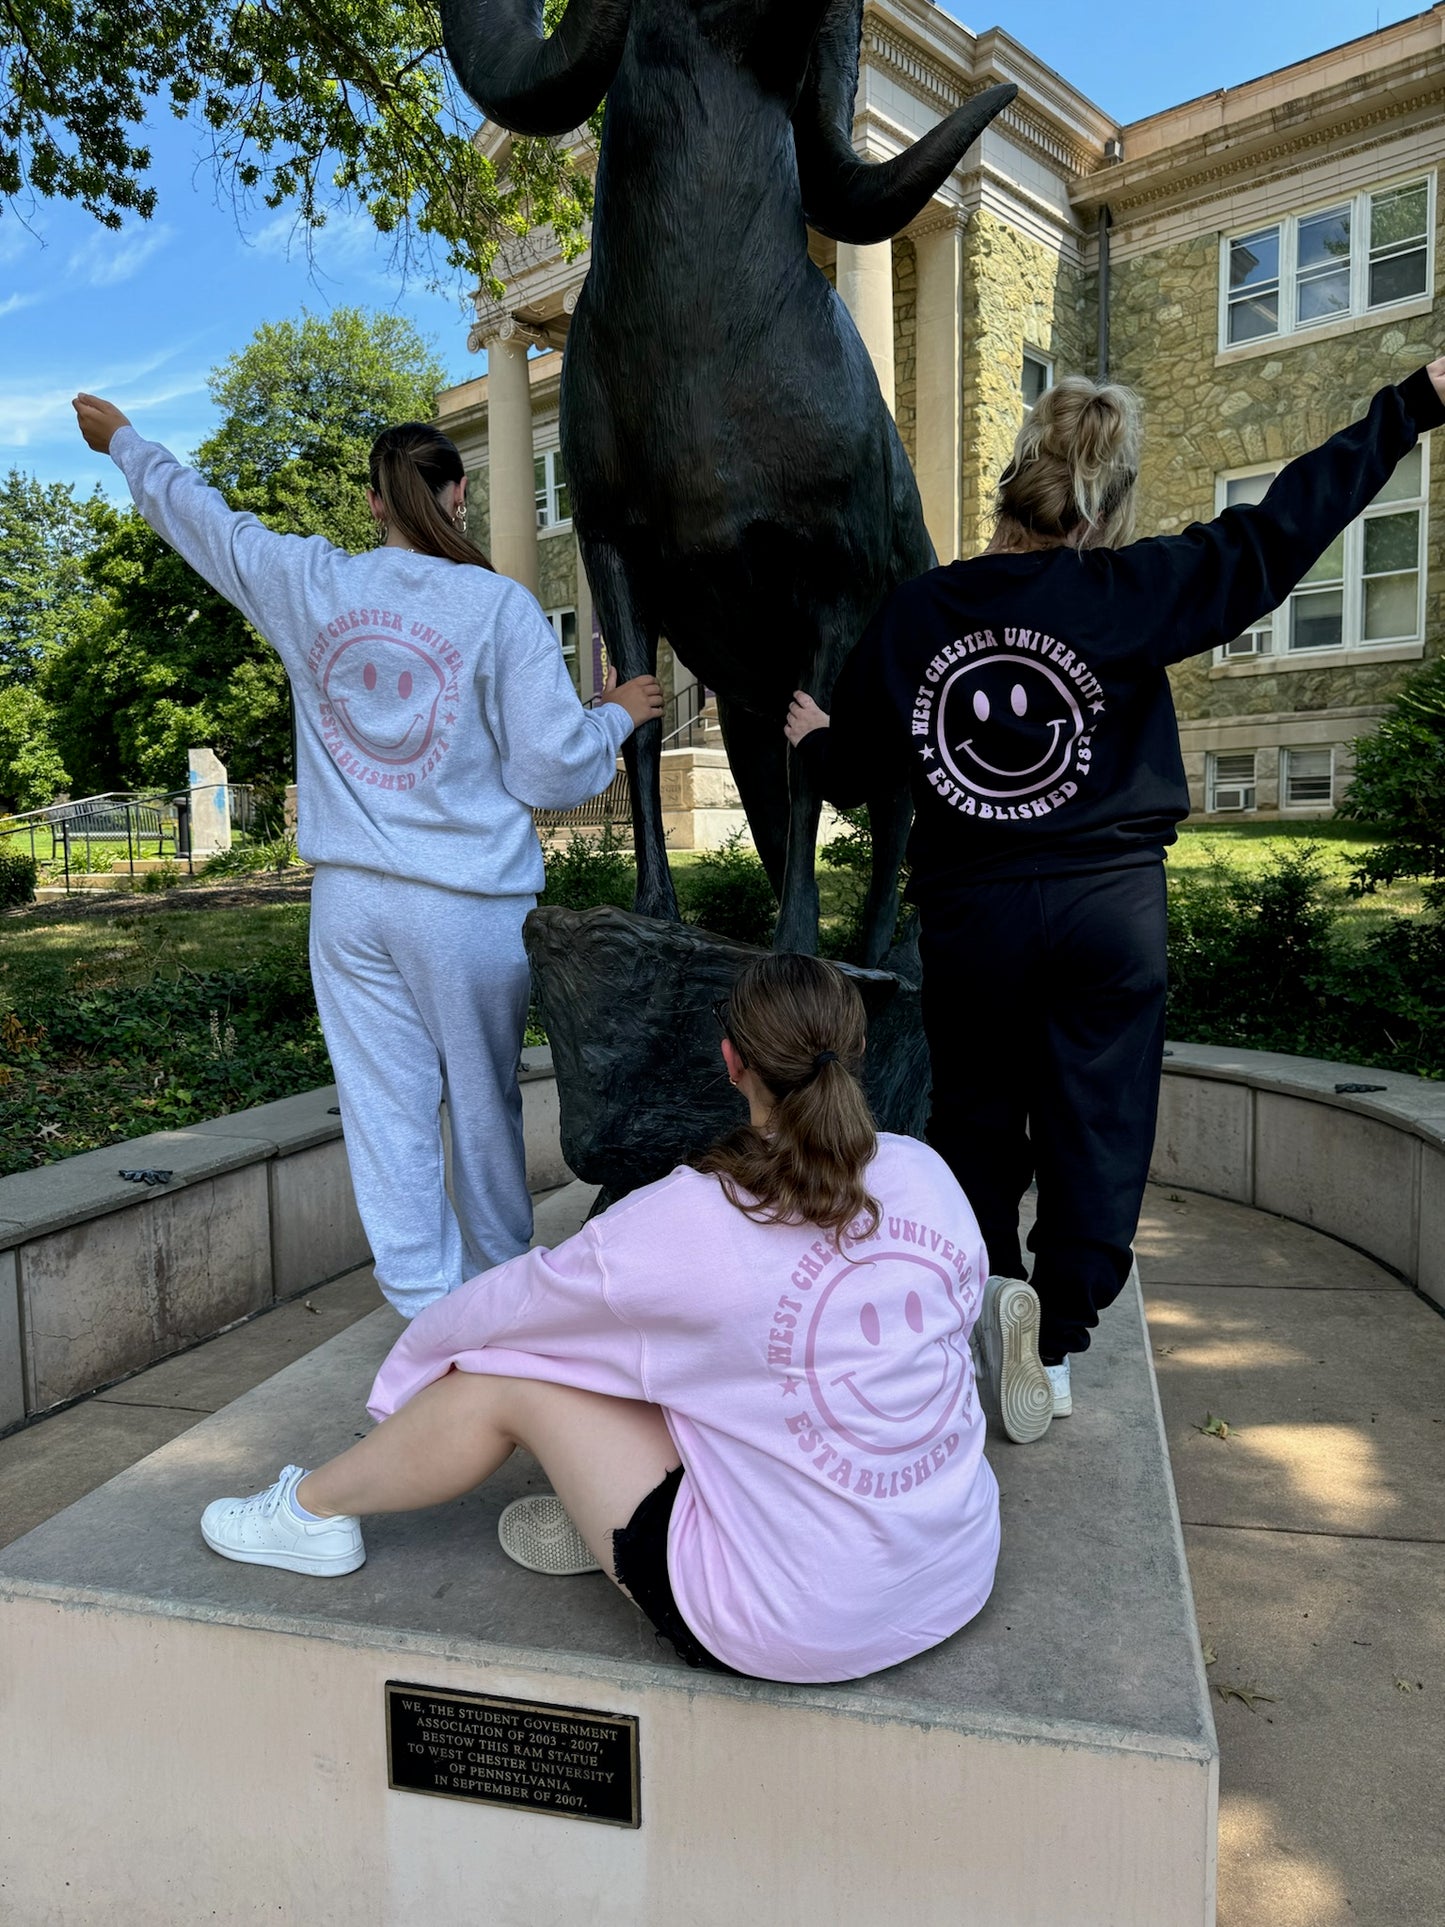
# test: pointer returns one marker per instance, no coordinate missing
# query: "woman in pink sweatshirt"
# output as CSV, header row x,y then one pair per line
x,y
749,1384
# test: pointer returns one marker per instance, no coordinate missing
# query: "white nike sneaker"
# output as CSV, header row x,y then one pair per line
x,y
537,1534
1015,1381
1058,1377
266,1530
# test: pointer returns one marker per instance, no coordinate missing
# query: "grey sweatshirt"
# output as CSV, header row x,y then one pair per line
x,y
434,711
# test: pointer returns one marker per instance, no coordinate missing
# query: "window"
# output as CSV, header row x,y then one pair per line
x,y
1366,587
564,626
1309,777
554,497
1037,377
1304,272
1231,781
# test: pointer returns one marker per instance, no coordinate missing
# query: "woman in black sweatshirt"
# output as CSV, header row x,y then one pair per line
x,y
1024,695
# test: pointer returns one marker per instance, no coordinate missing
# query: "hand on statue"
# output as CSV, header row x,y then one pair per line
x,y
1436,372
98,421
804,716
641,697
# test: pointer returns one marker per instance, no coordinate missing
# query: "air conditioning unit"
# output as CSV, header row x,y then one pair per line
x,y
1241,646
1234,799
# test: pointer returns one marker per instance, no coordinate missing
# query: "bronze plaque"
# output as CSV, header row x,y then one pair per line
x,y
513,1753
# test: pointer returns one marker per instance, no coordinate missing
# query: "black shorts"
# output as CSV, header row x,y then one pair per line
x,y
639,1559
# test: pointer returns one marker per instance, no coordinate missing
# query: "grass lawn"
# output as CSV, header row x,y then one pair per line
x,y
41,955
1252,847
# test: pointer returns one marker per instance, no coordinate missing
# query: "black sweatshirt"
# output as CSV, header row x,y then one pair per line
x,y
1024,697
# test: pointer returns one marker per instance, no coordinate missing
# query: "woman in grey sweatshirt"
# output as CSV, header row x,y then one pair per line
x,y
434,713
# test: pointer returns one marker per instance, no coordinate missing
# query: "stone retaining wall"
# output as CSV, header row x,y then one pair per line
x,y
1367,1167
100,1277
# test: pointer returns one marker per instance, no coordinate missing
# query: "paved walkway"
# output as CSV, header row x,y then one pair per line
x,y
1315,1529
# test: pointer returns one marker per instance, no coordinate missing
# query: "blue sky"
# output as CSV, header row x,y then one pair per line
x,y
144,314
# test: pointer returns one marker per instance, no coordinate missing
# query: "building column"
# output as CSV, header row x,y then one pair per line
x,y
587,686
938,249
511,483
865,282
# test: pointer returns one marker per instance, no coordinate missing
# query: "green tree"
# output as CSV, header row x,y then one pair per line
x,y
173,663
302,105
1399,788
47,533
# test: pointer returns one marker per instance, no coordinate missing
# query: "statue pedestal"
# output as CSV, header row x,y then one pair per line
x,y
628,1006
214,1736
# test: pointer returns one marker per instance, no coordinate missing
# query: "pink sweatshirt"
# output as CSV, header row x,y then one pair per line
x,y
837,1514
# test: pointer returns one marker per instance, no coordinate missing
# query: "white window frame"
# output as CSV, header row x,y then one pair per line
x,y
1040,360
1286,801
556,617
1213,787
1270,636
547,516
1288,226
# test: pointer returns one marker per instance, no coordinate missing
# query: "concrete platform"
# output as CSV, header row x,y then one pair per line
x,y
216,1733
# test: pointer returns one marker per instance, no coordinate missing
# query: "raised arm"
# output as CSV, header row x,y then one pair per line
x,y
234,552
1218,578
555,754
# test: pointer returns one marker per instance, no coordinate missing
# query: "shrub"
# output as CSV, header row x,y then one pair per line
x,y
589,871
83,1067
727,891
1399,787
1260,959
17,878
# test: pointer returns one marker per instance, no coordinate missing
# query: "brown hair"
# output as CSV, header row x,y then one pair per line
x,y
410,466
1075,463
799,1025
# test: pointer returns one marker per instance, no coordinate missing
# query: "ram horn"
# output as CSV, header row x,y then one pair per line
x,y
528,81
860,201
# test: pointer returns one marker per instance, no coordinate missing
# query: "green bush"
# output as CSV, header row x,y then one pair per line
x,y
251,856
83,1067
727,891
589,871
1260,959
17,878
1399,787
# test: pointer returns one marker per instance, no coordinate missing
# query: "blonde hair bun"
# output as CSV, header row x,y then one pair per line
x,y
1075,461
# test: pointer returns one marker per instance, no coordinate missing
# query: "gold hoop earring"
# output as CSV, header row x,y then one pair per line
x,y
382,532
459,517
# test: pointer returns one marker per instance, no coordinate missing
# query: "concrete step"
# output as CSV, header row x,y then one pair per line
x,y
216,1734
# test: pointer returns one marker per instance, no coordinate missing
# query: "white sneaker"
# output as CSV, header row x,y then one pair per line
x,y
1008,1343
537,1533
265,1530
1058,1377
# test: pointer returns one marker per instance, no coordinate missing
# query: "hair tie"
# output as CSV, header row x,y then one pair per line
x,y
824,1057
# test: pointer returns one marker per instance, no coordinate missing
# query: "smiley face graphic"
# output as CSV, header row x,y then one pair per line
x,y
384,693
1007,726
886,1356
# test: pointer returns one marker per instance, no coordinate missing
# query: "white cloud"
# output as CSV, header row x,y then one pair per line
x,y
350,241
14,302
35,412
105,259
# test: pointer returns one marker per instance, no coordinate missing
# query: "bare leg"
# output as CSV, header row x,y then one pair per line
x,y
602,1455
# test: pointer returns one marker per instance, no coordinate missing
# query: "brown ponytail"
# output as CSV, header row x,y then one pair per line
x,y
410,466
1074,467
799,1025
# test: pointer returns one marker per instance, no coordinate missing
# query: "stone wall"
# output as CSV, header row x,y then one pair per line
x,y
1016,294
1205,419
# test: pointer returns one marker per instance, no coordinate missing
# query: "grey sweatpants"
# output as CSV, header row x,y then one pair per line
x,y
423,995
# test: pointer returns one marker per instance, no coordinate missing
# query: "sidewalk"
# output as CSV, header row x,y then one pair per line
x,y
1315,1530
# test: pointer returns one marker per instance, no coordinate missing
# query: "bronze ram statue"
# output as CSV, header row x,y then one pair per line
x,y
738,484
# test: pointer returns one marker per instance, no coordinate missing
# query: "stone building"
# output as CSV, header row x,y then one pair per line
x,y
1268,257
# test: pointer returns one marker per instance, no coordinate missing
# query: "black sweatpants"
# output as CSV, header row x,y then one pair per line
x,y
1043,1003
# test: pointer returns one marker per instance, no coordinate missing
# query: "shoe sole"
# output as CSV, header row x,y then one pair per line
x,y
334,1568
560,1553
1025,1397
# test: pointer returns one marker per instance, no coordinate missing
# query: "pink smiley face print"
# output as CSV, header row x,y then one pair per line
x,y
385,694
886,1356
